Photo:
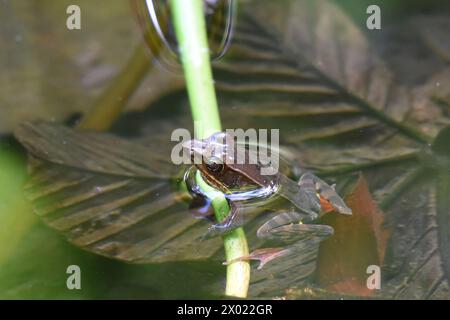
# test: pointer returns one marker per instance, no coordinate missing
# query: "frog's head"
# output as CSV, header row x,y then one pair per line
x,y
215,158
209,154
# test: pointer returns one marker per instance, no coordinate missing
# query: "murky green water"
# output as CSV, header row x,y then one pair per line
x,y
342,98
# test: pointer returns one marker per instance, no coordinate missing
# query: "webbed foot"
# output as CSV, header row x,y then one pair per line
x,y
232,221
327,198
264,256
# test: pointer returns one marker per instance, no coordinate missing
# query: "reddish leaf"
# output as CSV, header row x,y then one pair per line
x,y
358,242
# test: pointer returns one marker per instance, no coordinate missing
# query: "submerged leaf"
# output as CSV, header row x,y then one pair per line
x,y
433,31
311,73
111,196
359,242
120,199
343,111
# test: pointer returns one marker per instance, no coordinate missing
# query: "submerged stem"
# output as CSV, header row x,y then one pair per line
x,y
111,103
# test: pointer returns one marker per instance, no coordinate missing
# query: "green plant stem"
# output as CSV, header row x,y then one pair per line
x,y
190,30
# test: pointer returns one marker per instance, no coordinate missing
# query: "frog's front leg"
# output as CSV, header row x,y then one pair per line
x,y
234,220
201,208
288,227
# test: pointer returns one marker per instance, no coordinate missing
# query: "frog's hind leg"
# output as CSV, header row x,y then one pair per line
x,y
281,219
303,195
329,199
289,228
308,187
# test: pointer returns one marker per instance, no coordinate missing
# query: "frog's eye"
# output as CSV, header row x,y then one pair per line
x,y
214,164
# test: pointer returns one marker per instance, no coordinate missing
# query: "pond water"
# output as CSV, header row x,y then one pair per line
x,y
365,109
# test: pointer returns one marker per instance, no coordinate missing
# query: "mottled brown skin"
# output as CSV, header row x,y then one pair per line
x,y
235,176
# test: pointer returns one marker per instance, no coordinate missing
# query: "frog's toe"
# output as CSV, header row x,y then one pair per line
x,y
211,233
217,230
264,256
312,215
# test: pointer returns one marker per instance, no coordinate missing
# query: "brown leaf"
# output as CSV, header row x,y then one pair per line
x,y
358,242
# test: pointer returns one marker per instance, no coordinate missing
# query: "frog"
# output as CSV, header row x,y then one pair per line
x,y
311,197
